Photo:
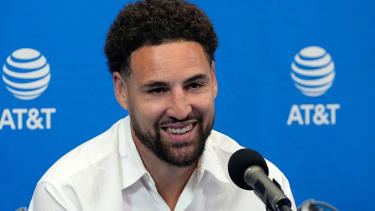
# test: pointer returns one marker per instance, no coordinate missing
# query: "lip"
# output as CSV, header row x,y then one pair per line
x,y
182,138
179,124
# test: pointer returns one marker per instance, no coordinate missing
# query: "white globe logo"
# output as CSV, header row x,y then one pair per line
x,y
26,74
313,71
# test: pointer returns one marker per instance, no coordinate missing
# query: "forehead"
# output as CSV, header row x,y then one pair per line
x,y
168,61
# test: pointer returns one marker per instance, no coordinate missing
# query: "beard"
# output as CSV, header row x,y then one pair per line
x,y
168,152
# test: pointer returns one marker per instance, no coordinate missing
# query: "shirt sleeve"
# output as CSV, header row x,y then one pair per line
x,y
47,198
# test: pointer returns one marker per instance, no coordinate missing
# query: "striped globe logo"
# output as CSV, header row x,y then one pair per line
x,y
313,71
26,73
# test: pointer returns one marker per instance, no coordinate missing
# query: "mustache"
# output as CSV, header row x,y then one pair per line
x,y
192,116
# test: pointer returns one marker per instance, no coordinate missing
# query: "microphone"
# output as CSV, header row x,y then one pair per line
x,y
249,171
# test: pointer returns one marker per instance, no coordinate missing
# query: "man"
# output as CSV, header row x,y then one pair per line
x,y
164,155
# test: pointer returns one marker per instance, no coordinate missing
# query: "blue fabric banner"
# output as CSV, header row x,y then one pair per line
x,y
296,83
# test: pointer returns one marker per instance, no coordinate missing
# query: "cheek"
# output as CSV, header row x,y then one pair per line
x,y
146,110
205,105
152,111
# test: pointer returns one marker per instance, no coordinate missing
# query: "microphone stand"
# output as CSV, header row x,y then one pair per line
x,y
282,205
283,208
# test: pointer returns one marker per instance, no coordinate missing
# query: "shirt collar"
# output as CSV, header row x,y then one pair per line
x,y
210,162
131,164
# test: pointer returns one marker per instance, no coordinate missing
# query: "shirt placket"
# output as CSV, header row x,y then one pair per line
x,y
155,195
188,193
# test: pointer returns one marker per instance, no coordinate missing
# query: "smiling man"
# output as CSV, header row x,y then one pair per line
x,y
164,155
170,98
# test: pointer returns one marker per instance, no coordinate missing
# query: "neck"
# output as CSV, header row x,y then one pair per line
x,y
169,180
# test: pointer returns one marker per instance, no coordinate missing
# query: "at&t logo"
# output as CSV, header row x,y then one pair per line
x,y
313,72
26,75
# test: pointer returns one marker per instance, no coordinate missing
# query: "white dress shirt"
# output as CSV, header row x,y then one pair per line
x,y
107,174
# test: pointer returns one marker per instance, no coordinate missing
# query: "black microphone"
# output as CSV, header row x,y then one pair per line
x,y
249,171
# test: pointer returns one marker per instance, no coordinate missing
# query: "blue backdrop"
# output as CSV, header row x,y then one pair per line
x,y
52,52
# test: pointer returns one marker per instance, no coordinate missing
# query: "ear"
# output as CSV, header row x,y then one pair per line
x,y
121,90
214,78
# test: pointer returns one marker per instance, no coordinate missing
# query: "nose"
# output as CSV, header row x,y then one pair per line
x,y
179,105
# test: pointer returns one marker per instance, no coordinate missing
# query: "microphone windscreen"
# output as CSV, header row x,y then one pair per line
x,y
240,161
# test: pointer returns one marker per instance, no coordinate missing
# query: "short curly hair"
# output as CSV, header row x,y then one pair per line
x,y
154,22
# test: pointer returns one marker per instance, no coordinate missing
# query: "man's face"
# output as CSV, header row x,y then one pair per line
x,y
170,98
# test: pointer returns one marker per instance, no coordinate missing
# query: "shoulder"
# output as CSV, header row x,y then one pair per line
x,y
83,175
224,146
85,156
222,143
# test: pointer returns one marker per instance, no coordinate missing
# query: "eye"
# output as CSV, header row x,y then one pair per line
x,y
156,91
195,85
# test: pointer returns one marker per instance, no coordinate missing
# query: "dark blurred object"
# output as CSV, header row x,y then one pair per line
x,y
21,209
312,205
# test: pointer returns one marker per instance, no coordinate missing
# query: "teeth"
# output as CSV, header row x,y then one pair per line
x,y
180,130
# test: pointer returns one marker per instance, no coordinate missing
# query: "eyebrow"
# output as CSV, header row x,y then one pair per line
x,y
154,84
197,77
